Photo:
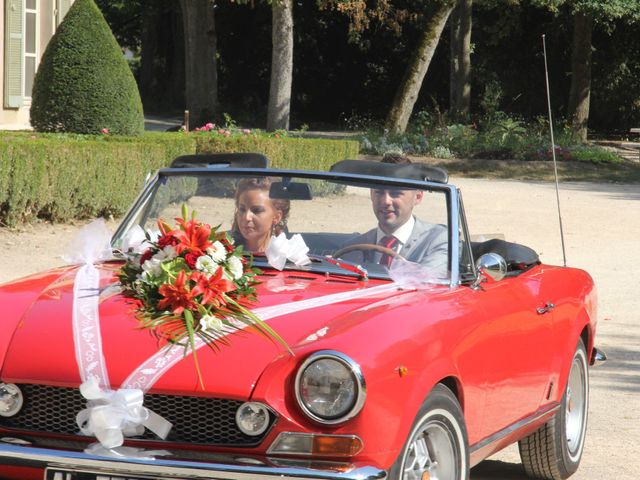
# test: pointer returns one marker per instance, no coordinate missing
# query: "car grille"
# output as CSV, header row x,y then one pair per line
x,y
196,420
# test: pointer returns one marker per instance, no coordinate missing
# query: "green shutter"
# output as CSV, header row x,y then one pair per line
x,y
62,7
13,58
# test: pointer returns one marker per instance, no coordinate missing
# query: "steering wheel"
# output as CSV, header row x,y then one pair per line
x,y
364,247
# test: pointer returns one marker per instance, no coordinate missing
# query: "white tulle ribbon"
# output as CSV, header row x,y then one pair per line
x,y
281,249
112,415
412,275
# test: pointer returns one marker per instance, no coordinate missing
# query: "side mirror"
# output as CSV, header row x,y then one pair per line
x,y
491,265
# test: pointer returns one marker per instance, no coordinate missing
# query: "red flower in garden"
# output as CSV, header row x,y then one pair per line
x,y
193,236
177,297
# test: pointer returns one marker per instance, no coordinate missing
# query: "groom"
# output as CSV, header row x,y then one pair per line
x,y
398,229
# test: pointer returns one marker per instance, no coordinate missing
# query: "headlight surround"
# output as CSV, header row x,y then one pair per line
x,y
330,387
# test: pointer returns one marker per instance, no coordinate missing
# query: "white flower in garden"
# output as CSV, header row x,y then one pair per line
x,y
209,323
206,264
235,267
217,252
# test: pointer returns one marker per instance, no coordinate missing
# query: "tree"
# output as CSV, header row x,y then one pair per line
x,y
407,93
460,83
83,84
281,65
201,70
586,14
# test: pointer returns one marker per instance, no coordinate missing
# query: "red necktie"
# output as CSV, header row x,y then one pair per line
x,y
390,242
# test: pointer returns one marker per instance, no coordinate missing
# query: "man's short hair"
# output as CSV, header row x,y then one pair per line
x,y
393,157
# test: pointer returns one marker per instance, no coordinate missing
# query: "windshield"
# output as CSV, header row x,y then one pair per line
x,y
370,225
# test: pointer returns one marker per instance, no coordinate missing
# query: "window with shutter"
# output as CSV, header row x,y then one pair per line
x,y
13,55
62,7
30,45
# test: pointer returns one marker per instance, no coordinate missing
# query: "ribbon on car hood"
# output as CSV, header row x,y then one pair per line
x,y
110,415
281,249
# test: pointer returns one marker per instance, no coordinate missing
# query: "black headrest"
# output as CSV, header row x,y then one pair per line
x,y
233,160
518,257
411,171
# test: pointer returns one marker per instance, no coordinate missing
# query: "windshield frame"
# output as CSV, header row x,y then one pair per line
x,y
451,193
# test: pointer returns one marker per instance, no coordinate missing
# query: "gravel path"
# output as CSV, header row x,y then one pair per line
x,y
602,232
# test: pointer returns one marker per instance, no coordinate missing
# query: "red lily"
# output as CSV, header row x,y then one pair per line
x,y
177,297
193,236
213,288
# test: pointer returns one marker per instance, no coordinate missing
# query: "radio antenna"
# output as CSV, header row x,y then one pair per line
x,y
553,150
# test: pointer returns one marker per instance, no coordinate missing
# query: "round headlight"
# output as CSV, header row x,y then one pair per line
x,y
330,388
10,399
252,418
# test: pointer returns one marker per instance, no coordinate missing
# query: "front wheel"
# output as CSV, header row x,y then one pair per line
x,y
554,451
437,447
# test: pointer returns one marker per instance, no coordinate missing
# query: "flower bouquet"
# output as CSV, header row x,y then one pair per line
x,y
192,282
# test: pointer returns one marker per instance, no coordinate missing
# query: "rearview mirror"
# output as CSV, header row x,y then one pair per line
x,y
491,265
290,191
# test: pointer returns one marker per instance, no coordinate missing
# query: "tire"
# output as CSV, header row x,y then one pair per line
x,y
437,444
554,451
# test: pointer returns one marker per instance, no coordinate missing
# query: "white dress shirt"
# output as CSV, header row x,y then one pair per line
x,y
402,233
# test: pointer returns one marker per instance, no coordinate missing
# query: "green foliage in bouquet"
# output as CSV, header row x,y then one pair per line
x,y
192,282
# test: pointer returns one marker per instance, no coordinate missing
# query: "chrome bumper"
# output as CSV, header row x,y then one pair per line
x,y
598,357
166,468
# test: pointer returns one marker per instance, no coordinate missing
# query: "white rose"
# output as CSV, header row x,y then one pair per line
x,y
209,323
206,264
167,253
235,267
151,267
217,252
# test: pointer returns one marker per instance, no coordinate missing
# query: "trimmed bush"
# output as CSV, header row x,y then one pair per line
x,y
63,177
83,83
284,153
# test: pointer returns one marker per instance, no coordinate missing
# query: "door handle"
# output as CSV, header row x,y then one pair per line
x,y
547,308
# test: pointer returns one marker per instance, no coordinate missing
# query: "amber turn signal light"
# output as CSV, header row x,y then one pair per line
x,y
296,443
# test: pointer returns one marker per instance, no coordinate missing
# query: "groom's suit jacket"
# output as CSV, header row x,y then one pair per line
x,y
427,245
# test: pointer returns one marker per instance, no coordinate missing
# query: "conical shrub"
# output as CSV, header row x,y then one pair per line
x,y
83,84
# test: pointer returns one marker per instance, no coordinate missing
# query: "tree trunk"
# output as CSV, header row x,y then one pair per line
x,y
149,53
281,65
407,93
460,81
581,75
201,72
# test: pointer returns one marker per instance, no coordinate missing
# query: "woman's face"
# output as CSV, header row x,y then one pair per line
x,y
256,217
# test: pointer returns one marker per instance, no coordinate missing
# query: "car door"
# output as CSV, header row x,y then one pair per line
x,y
513,341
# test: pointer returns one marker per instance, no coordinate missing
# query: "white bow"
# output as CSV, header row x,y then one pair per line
x,y
114,414
280,249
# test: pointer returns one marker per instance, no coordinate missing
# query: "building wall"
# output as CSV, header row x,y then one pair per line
x,y
47,18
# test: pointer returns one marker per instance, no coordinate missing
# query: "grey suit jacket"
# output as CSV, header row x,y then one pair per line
x,y
427,245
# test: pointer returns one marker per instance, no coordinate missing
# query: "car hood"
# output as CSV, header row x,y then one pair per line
x,y
298,305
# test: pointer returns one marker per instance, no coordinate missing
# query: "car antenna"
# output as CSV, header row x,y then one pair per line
x,y
553,150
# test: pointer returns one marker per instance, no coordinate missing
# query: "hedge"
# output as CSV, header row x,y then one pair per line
x,y
285,152
61,177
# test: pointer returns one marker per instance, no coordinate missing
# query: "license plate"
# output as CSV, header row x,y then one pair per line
x,y
62,474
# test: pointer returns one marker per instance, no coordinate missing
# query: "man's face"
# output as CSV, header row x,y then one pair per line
x,y
393,207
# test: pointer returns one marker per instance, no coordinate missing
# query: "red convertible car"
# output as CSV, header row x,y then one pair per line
x,y
392,346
